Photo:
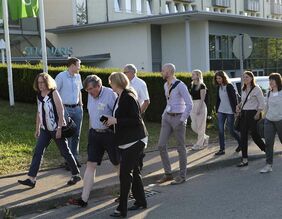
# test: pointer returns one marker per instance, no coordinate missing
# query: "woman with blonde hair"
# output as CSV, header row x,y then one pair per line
x,y
250,108
198,92
226,102
49,123
131,137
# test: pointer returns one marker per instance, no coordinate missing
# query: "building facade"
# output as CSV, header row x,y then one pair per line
x,y
190,33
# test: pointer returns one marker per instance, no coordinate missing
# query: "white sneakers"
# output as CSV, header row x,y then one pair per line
x,y
266,169
197,147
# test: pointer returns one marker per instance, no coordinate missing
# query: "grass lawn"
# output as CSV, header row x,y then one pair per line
x,y
17,126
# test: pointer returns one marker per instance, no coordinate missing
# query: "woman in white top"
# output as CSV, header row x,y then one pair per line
x,y
251,106
273,118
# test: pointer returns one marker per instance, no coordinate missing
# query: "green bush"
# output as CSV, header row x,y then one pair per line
x,y
23,77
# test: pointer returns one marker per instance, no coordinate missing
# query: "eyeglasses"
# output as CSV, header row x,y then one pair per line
x,y
41,82
125,72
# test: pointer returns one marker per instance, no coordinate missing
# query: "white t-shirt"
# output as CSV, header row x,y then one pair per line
x,y
141,89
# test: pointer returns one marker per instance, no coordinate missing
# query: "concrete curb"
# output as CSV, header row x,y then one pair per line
x,y
112,189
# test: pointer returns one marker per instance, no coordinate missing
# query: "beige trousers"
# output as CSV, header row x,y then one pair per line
x,y
199,121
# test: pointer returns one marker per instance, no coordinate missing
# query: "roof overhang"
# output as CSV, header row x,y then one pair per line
x,y
54,60
172,18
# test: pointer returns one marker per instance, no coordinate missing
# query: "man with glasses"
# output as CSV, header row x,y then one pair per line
x,y
101,102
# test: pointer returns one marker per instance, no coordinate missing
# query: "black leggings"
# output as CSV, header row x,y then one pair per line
x,y
248,123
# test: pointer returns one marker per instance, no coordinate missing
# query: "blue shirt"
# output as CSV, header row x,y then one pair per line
x,y
69,87
101,105
179,100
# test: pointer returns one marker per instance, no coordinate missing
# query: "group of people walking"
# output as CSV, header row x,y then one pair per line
x,y
116,123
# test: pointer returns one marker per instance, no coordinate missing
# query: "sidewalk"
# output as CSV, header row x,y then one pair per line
x,y
51,189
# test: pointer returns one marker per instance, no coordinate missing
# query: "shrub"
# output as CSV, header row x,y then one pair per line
x,y
23,77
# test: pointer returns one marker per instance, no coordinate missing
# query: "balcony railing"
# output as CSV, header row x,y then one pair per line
x,y
252,5
275,8
189,1
221,3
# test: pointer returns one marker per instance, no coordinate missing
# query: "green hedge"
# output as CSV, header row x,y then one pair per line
x,y
23,77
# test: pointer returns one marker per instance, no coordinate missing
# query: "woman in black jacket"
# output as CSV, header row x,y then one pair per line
x,y
131,137
226,108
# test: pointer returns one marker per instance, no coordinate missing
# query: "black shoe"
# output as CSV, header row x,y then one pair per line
x,y
117,199
78,202
74,180
117,214
238,149
220,152
137,207
242,164
27,182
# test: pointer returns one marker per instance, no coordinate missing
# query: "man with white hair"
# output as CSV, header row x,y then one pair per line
x,y
141,89
139,86
174,119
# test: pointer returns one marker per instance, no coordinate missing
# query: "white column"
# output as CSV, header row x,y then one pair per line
x,y
199,41
122,5
133,6
206,46
8,52
188,46
43,36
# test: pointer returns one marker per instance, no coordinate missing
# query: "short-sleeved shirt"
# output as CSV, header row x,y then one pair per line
x,y
196,92
69,87
141,89
101,105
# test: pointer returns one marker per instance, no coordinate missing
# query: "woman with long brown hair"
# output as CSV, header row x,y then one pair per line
x,y
251,106
226,102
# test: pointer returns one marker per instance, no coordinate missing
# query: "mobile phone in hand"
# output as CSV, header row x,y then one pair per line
x,y
103,119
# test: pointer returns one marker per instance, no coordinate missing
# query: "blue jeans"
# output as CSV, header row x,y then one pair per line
x,y
76,114
221,117
42,143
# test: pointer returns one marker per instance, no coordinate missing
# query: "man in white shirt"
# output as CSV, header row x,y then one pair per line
x,y
139,86
141,89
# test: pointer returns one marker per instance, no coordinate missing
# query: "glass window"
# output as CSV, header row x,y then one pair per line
x,y
117,5
81,11
149,7
167,10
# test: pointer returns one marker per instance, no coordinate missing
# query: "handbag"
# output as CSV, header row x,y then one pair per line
x,y
238,119
260,127
260,123
70,129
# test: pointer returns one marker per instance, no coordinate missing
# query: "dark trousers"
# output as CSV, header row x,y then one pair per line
x,y
270,130
249,124
43,141
130,175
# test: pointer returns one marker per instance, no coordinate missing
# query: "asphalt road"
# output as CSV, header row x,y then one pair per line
x,y
218,194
